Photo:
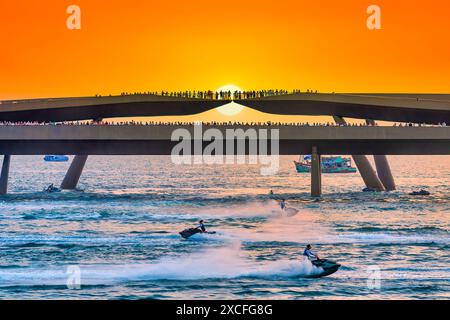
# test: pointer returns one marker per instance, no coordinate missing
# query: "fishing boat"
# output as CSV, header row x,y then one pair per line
x,y
329,165
56,158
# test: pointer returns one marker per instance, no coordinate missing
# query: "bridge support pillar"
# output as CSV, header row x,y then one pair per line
x,y
73,174
5,174
316,174
368,174
383,169
384,172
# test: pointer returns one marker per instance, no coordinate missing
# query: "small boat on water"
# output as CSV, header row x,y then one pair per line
x,y
422,192
329,165
56,158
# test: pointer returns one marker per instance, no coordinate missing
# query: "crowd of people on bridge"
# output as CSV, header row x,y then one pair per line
x,y
209,123
220,95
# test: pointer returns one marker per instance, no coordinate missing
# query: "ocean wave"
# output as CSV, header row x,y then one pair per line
x,y
419,230
389,238
192,196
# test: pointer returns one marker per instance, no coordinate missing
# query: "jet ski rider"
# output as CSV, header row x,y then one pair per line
x,y
50,188
309,254
201,226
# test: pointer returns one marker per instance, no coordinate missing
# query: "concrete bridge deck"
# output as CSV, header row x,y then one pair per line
x,y
419,108
156,140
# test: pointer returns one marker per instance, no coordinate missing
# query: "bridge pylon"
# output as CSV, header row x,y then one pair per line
x,y
384,172
316,173
383,169
5,174
368,174
73,175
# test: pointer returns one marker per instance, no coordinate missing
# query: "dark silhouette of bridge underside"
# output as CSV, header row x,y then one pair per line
x,y
418,108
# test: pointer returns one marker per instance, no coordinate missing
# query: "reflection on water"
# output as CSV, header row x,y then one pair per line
x,y
122,232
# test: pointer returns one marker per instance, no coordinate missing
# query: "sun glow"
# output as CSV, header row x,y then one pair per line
x,y
232,108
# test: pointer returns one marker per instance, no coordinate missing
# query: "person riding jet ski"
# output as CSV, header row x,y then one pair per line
x,y
283,204
201,226
51,188
199,229
326,267
309,254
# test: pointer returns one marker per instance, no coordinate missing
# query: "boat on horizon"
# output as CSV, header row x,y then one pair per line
x,y
56,158
329,165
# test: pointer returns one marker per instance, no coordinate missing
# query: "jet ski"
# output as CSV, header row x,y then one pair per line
x,y
328,266
420,193
191,231
52,189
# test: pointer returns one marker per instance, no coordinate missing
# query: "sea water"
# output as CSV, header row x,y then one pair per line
x,y
121,232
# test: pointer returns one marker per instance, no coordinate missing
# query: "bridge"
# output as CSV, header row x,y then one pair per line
x,y
157,140
420,108
86,140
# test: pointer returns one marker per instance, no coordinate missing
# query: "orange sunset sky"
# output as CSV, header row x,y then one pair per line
x,y
148,45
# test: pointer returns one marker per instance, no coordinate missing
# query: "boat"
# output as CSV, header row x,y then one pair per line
x,y
56,158
329,165
420,193
328,267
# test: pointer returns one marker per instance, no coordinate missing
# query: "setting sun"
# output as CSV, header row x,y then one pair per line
x,y
232,108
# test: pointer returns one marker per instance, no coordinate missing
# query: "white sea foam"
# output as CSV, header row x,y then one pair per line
x,y
214,263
